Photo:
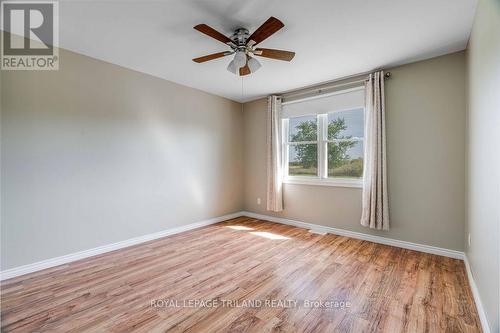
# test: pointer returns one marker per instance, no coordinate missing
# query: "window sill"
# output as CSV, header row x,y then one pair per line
x,y
356,183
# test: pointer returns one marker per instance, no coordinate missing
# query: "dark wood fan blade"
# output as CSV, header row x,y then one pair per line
x,y
275,54
205,29
211,57
265,30
244,70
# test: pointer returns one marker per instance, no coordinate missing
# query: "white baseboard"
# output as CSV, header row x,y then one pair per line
x,y
477,299
37,266
358,235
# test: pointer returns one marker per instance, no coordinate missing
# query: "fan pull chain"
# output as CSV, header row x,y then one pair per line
x,y
242,88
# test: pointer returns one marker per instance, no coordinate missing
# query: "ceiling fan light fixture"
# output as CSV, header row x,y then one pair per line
x,y
232,67
240,59
253,64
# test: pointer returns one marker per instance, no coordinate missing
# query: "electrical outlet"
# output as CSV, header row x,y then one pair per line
x,y
469,240
258,201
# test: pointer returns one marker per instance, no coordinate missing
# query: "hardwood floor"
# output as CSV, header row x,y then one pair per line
x,y
152,287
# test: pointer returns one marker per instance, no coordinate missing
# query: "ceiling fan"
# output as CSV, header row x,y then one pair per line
x,y
243,44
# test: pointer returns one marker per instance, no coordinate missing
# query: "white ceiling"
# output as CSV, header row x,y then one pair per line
x,y
331,38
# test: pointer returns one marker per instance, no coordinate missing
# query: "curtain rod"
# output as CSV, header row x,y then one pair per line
x,y
331,84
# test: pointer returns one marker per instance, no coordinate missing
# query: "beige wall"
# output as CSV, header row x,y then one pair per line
x,y
426,156
95,153
483,69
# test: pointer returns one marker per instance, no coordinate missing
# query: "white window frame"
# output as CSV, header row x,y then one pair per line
x,y
322,178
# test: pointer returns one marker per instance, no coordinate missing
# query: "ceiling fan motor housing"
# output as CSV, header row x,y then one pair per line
x,y
240,36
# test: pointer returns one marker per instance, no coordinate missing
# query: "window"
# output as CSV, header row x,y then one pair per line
x,y
323,139
303,146
345,144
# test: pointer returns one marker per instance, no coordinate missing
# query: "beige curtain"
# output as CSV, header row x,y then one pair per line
x,y
375,211
274,163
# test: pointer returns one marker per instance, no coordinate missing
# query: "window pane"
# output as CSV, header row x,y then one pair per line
x,y
303,129
303,160
346,124
345,159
